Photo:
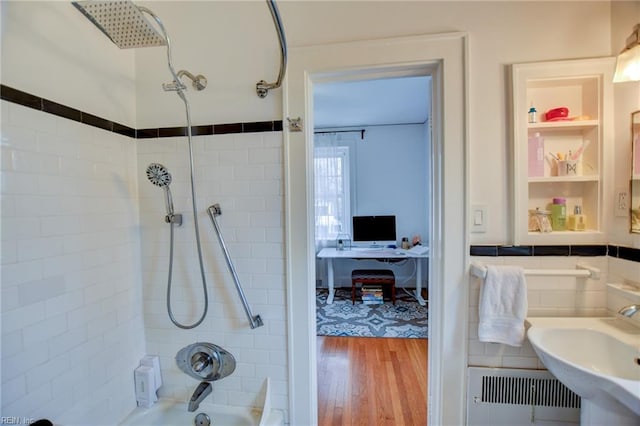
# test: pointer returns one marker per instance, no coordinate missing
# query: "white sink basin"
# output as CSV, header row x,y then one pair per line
x,y
597,358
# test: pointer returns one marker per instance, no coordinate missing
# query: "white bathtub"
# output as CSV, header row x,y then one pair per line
x,y
169,412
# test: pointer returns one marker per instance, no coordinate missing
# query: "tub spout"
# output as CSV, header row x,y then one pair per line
x,y
629,311
201,392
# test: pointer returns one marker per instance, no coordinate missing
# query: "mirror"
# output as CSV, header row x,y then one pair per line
x,y
635,172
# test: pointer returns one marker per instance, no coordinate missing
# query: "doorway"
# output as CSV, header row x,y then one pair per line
x,y
372,178
371,163
448,290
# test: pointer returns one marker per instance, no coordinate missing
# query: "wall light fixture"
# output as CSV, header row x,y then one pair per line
x,y
628,63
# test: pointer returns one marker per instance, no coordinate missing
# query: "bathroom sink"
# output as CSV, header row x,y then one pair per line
x,y
597,358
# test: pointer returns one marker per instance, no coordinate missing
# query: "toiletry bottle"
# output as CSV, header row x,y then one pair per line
x,y
405,243
559,214
536,155
577,221
533,115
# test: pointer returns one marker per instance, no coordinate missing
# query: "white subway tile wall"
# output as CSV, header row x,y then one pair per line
x,y
547,296
243,174
623,271
72,324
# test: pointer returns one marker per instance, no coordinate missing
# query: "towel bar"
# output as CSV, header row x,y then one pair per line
x,y
480,270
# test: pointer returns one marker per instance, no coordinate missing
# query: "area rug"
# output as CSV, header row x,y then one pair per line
x,y
406,319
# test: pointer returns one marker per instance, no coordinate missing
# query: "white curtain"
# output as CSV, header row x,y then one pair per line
x,y
332,198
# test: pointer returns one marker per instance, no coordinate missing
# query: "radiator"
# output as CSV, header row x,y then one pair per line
x,y
500,396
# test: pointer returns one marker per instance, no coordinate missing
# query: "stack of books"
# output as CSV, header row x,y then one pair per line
x,y
372,295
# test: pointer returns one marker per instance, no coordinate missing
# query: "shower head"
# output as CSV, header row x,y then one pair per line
x,y
121,21
160,176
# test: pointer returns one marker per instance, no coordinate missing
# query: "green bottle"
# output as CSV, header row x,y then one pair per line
x,y
559,214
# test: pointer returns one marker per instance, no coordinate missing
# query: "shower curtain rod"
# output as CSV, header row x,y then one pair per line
x,y
262,87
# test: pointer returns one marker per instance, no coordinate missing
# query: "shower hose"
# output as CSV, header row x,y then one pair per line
x,y
195,225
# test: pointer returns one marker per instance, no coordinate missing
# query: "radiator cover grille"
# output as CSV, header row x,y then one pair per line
x,y
528,391
519,397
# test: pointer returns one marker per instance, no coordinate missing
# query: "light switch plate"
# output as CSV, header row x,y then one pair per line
x,y
478,218
621,202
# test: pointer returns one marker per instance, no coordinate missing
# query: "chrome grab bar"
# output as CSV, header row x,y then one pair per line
x,y
262,87
254,320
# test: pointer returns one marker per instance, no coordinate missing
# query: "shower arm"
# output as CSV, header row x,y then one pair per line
x,y
254,320
199,81
262,87
177,84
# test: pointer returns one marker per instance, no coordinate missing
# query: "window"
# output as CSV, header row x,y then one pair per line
x,y
332,211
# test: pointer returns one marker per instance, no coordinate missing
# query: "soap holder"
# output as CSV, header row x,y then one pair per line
x,y
628,291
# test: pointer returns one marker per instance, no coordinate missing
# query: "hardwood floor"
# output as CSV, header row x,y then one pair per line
x,y
372,381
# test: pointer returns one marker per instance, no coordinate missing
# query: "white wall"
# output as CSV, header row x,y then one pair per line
x,y
622,271
243,173
546,296
624,15
233,43
391,175
50,50
501,33
72,327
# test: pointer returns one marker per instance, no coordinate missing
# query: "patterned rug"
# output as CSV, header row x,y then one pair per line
x,y
405,319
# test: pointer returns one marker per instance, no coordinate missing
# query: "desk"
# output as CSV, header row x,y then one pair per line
x,y
331,253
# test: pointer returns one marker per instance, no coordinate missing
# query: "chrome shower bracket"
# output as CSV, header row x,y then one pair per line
x,y
175,219
215,210
174,86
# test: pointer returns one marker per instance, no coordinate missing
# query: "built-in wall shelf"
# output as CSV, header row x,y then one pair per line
x,y
564,125
570,158
557,179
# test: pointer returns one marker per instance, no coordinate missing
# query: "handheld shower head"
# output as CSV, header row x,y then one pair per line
x,y
160,176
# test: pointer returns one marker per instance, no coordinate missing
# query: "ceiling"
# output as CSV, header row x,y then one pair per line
x,y
404,100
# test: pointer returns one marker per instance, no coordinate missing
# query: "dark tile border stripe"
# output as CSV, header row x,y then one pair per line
x,y
551,250
590,250
18,97
515,250
25,99
627,253
484,251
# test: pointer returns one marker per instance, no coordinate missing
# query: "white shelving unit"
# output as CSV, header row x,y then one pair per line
x,y
585,88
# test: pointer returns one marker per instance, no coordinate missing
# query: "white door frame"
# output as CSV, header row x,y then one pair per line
x,y
446,55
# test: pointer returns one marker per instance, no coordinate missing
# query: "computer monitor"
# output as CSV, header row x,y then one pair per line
x,y
374,231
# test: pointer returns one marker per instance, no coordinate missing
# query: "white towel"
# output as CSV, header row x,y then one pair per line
x,y
503,305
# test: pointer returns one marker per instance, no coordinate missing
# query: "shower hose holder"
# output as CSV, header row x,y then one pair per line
x,y
175,219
